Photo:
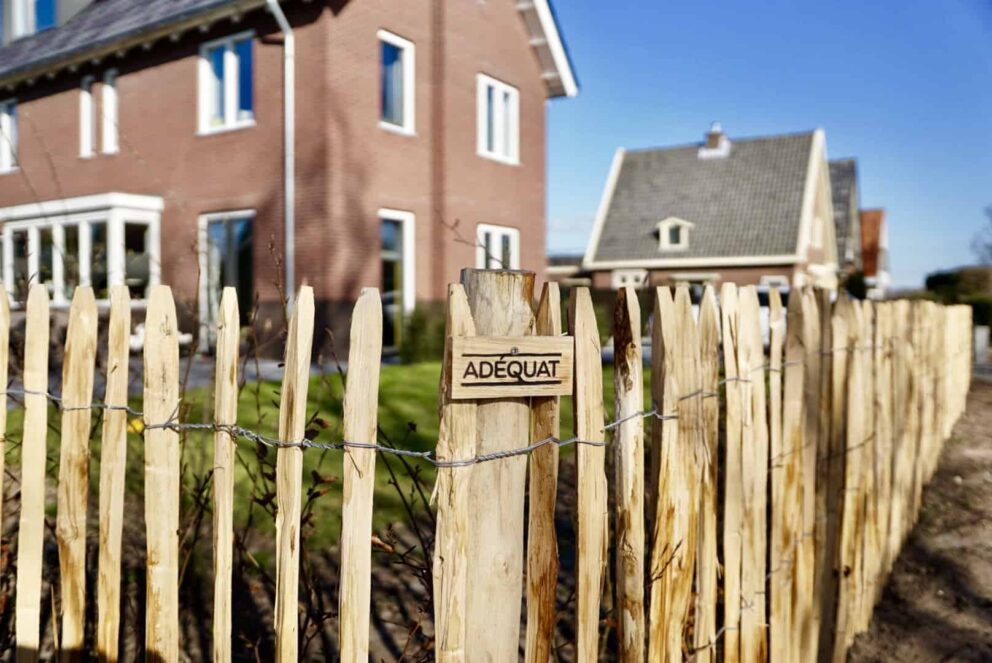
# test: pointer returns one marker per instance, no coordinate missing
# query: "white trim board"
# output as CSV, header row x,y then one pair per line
x,y
100,201
675,263
549,39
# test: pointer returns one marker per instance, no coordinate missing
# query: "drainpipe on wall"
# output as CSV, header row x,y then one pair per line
x,y
289,147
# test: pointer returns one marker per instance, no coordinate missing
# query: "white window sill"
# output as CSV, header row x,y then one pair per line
x,y
225,128
397,128
87,157
8,171
499,158
110,153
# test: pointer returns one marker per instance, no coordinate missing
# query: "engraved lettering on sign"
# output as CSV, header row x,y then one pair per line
x,y
491,367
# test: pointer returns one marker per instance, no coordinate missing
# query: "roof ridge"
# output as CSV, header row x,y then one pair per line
x,y
745,139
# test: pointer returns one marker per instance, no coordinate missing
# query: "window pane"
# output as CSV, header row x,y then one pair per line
x,y
46,252
505,149
20,241
391,237
216,58
98,259
392,83
70,259
136,259
674,235
487,242
490,119
505,255
44,14
392,282
246,92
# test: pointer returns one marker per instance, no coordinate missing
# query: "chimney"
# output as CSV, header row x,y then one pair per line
x,y
713,136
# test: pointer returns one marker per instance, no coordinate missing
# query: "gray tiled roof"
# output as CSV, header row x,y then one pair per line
x,y
99,24
746,204
843,176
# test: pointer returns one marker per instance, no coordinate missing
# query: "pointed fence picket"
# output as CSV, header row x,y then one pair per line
x,y
822,454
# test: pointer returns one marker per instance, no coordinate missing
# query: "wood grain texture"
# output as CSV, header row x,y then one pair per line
x,y
733,506
225,413
707,564
31,529
501,304
806,557
628,468
779,607
113,466
361,405
456,441
754,471
4,362
289,475
542,541
161,405
592,508
74,466
826,502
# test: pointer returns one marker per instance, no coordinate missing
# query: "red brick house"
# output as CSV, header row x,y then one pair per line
x,y
148,141
749,210
875,249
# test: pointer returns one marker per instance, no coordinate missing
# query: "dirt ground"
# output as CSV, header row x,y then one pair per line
x,y
937,605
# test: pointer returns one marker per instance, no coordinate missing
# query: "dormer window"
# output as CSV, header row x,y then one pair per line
x,y
673,234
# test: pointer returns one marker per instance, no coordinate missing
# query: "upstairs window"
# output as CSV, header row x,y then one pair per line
x,y
497,247
87,123
227,84
31,16
498,120
673,234
8,136
109,113
396,75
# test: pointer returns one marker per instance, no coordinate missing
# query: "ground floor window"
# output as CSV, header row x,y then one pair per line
x,y
497,247
397,236
227,260
96,241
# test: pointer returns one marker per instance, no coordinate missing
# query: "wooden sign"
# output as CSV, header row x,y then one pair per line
x,y
511,366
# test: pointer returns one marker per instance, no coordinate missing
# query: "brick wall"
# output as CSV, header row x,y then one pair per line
x,y
347,167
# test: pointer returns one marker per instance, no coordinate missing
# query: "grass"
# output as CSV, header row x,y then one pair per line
x,y
407,419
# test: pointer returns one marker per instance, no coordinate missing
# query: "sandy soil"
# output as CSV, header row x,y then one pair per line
x,y
938,602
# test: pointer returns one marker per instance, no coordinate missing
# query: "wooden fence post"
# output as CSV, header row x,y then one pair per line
x,y
74,465
4,362
707,564
361,404
592,511
456,441
289,475
31,530
161,406
808,621
113,466
825,499
778,610
751,361
501,306
225,414
542,543
733,509
628,465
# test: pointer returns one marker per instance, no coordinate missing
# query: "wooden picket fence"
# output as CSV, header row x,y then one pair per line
x,y
757,504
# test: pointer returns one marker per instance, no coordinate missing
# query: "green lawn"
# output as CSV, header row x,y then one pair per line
x,y
407,419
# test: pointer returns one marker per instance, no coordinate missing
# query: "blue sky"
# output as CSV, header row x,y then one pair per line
x,y
905,87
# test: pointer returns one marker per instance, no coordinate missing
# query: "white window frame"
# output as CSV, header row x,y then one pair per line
x,y
409,125
205,86
9,143
497,232
202,223
636,278
109,132
505,118
21,18
408,223
114,209
87,118
664,243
